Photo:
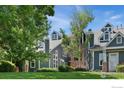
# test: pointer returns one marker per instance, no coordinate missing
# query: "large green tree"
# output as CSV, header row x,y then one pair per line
x,y
21,28
75,45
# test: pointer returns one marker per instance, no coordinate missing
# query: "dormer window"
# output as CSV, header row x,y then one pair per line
x,y
119,40
54,36
110,29
106,36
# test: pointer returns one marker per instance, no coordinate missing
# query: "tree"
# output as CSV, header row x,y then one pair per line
x,y
78,40
21,28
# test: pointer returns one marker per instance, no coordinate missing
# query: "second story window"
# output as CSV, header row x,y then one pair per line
x,y
110,29
119,40
106,36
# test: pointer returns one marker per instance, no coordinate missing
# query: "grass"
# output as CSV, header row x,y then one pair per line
x,y
61,75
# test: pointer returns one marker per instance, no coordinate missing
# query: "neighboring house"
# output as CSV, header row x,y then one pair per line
x,y
106,48
53,47
57,56
43,46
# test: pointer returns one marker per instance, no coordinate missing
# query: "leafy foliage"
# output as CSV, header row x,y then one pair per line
x,y
120,68
47,70
65,68
81,69
78,41
21,27
6,66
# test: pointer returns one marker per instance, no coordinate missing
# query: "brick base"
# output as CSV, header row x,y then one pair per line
x,y
104,67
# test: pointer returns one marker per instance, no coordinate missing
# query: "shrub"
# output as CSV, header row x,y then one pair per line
x,y
47,70
81,69
65,68
120,68
62,68
7,66
70,68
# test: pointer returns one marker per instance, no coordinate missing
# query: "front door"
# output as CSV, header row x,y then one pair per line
x,y
113,61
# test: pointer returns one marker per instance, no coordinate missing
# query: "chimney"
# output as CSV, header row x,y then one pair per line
x,y
117,27
121,26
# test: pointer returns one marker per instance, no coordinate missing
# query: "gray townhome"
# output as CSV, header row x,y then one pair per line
x,y
57,56
106,48
53,47
43,46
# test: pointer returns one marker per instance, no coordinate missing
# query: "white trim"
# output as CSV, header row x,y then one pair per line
x,y
101,48
39,64
93,60
103,35
31,64
119,33
117,57
121,47
49,63
120,39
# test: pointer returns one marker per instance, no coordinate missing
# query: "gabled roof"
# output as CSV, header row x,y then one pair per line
x,y
54,43
108,25
119,33
98,33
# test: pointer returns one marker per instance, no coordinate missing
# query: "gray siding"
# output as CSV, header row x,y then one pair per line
x,y
96,60
60,54
114,44
121,57
47,46
92,40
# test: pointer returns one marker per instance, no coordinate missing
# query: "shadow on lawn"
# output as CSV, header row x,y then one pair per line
x,y
55,75
87,75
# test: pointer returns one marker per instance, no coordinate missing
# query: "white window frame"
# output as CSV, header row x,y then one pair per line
x,y
54,36
31,64
100,58
103,35
120,40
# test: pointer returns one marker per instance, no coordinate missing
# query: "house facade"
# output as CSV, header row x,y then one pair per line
x,y
34,65
53,47
57,56
106,48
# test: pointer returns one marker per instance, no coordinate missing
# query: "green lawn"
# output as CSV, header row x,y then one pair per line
x,y
61,75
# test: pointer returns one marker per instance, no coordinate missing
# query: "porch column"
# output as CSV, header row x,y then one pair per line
x,y
26,66
104,64
92,60
49,64
38,64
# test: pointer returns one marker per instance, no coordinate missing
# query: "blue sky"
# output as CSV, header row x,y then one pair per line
x,y
102,14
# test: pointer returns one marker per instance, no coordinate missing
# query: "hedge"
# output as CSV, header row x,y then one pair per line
x,y
7,66
120,68
47,70
65,68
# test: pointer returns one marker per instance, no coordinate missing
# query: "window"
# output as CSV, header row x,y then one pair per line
x,y
106,36
41,44
32,64
119,40
100,59
54,36
109,29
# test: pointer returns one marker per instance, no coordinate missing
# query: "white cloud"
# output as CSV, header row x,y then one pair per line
x,y
78,8
115,17
59,22
107,13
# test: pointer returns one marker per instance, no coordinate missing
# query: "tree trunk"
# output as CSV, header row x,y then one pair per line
x,y
19,64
